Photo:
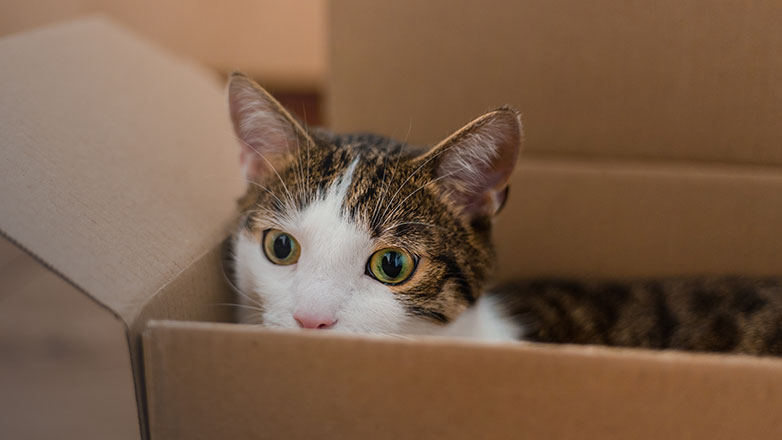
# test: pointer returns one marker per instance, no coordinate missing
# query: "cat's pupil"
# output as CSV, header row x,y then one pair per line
x,y
282,246
392,264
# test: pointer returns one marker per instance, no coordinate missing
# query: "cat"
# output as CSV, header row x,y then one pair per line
x,y
363,233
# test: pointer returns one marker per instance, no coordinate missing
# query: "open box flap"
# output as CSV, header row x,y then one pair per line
x,y
117,160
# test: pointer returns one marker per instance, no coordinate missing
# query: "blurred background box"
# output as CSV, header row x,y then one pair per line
x,y
653,131
670,80
281,43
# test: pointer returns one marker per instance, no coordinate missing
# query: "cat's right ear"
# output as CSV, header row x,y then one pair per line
x,y
267,133
474,164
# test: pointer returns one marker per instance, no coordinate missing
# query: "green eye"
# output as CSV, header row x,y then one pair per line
x,y
391,265
280,248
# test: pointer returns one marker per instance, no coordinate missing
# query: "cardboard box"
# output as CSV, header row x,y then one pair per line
x,y
281,43
118,173
670,80
63,360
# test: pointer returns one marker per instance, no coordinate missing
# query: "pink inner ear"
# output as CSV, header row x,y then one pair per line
x,y
252,168
264,132
479,162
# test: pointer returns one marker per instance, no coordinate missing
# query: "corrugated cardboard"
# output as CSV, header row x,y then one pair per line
x,y
103,160
64,362
639,219
670,79
281,385
118,171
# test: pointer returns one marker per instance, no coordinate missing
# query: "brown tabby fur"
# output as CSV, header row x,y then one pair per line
x,y
392,195
722,314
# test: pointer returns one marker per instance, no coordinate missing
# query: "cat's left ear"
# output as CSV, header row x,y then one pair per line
x,y
267,133
474,164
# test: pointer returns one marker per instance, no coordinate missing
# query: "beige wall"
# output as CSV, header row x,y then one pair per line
x,y
281,43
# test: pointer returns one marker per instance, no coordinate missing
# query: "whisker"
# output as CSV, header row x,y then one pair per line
x,y
290,196
243,306
267,214
265,189
245,296
382,184
400,336
254,318
413,223
398,205
236,289
306,128
250,182
396,166
383,217
297,171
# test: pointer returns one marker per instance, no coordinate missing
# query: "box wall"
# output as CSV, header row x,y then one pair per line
x,y
636,219
282,43
213,381
200,293
64,365
671,80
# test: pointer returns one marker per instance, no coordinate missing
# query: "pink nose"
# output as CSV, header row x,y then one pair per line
x,y
307,320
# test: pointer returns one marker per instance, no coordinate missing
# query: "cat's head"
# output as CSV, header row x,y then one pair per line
x,y
360,232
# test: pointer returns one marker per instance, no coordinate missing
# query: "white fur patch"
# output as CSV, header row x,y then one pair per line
x,y
329,279
329,276
484,321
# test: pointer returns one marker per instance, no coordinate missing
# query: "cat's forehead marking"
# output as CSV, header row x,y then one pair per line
x,y
324,215
359,192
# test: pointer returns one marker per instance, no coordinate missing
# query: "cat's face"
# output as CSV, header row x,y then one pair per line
x,y
362,233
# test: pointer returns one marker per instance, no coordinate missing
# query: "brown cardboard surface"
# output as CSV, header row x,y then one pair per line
x,y
118,170
671,79
625,219
281,43
245,382
117,162
64,364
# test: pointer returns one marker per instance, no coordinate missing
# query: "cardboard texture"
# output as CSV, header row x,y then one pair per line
x,y
118,172
117,178
312,385
64,362
636,219
670,80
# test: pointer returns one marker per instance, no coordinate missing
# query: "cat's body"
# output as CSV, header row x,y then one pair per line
x,y
714,314
362,233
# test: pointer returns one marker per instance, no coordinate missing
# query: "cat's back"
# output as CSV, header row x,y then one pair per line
x,y
722,314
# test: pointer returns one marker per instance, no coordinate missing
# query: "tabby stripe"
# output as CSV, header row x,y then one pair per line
x,y
454,272
428,313
665,319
